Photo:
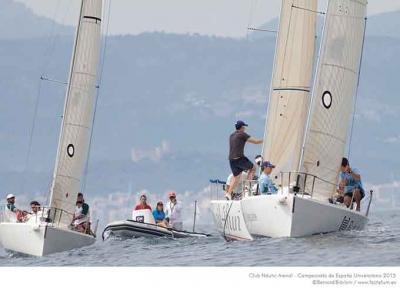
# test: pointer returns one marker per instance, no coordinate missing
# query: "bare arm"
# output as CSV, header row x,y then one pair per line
x,y
355,176
255,141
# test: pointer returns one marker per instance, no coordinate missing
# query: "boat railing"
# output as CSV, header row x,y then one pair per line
x,y
304,184
44,214
217,188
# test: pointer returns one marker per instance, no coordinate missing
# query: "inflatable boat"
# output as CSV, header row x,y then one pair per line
x,y
143,224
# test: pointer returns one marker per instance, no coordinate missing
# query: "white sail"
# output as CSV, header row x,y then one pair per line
x,y
290,87
78,112
333,94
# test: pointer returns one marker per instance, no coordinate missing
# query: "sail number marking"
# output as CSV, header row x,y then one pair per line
x,y
70,150
327,99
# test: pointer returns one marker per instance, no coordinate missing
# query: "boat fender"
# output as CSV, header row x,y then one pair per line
x,y
283,200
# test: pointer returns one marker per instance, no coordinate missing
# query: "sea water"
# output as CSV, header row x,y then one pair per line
x,y
377,245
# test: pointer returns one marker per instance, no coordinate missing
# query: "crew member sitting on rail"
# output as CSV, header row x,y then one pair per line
x,y
159,215
11,203
80,221
350,185
143,204
265,184
85,206
14,214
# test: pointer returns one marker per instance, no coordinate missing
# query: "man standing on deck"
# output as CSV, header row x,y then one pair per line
x,y
237,160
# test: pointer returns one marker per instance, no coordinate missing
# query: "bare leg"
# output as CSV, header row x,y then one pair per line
x,y
347,201
357,198
251,173
234,183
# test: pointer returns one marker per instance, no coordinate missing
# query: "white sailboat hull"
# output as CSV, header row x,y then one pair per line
x,y
289,216
40,240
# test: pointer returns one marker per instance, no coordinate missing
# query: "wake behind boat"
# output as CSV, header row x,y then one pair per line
x,y
143,224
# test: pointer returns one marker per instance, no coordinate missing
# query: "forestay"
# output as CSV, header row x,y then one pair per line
x,y
290,87
78,112
335,86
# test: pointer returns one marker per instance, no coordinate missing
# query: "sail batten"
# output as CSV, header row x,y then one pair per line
x,y
79,107
291,85
333,94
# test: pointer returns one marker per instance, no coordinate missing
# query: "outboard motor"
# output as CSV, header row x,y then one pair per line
x,y
143,216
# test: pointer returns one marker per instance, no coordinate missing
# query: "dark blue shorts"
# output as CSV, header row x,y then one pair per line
x,y
349,193
239,165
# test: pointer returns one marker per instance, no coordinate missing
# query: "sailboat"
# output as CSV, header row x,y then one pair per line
x,y
48,231
306,127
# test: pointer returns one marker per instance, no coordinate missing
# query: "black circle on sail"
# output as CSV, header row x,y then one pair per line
x,y
327,99
70,150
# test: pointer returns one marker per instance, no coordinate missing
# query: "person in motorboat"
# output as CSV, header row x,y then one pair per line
x,y
265,184
173,212
159,215
80,220
237,161
143,203
350,185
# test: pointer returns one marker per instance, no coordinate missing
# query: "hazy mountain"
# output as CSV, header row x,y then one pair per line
x,y
167,105
17,21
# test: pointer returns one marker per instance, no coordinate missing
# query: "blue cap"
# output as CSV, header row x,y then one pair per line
x,y
239,124
267,164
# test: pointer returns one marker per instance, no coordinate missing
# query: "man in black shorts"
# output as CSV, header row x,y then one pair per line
x,y
237,160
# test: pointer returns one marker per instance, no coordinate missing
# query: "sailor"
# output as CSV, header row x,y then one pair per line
x,y
265,184
159,215
173,212
13,213
143,204
85,206
238,162
35,207
11,203
80,220
350,185
258,159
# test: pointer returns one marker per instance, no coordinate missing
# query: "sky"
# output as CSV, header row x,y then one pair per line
x,y
227,18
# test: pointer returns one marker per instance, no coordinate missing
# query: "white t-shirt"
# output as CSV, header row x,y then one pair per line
x,y
173,212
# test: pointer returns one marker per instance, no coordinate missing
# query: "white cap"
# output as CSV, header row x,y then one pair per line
x,y
9,196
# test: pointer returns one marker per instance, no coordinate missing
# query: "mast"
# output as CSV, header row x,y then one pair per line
x,y
291,85
333,94
76,127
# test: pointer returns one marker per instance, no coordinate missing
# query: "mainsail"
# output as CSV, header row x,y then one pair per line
x,y
79,107
290,87
333,94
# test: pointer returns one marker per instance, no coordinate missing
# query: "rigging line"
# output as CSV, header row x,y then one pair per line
x,y
251,12
31,130
53,36
98,92
358,85
262,30
309,10
44,78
